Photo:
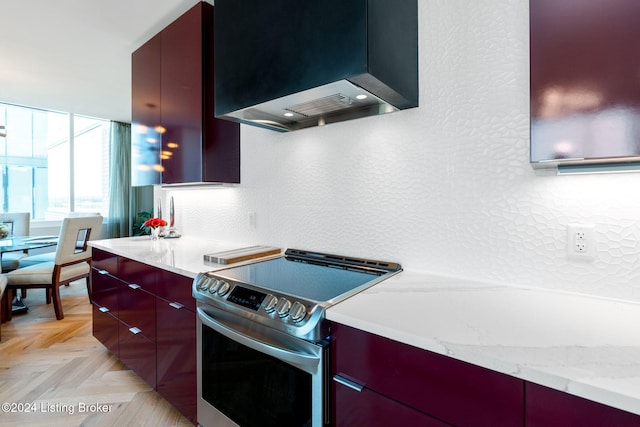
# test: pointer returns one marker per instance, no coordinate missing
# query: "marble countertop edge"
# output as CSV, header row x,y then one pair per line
x,y
582,345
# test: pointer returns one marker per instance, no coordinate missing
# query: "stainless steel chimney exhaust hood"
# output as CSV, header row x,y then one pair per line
x,y
292,64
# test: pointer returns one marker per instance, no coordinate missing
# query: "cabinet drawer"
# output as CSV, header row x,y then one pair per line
x,y
137,308
105,328
137,273
175,288
138,353
546,407
448,389
176,350
367,408
102,260
104,289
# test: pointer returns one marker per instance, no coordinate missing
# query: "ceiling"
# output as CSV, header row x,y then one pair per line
x,y
75,55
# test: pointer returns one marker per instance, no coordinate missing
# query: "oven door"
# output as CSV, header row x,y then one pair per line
x,y
251,375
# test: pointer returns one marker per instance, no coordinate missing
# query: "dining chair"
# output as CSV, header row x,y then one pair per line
x,y
49,256
19,224
72,262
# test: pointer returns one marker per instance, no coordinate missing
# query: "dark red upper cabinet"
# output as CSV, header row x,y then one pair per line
x,y
585,85
146,140
175,136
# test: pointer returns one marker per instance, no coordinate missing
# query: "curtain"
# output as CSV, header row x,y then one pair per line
x,y
125,202
119,221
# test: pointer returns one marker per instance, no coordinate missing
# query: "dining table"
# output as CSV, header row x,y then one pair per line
x,y
23,244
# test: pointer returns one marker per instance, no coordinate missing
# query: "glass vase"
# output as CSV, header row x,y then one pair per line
x,y
155,233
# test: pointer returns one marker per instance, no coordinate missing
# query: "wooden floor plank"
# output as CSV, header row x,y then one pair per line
x,y
66,376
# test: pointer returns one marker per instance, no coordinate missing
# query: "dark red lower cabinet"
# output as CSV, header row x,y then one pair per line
x,y
105,328
407,386
137,307
368,408
138,353
150,325
546,407
105,289
441,387
176,356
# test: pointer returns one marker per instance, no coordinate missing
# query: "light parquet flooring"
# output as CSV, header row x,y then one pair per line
x,y
55,373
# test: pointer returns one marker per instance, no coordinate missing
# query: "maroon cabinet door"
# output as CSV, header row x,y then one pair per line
x,y
176,356
138,353
104,297
137,273
146,133
105,329
137,308
136,299
221,143
104,290
546,407
177,288
102,260
367,408
196,146
447,389
181,88
585,92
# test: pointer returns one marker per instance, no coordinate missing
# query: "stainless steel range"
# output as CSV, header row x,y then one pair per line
x,y
263,340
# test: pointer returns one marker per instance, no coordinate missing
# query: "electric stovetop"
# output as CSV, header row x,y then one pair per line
x,y
291,292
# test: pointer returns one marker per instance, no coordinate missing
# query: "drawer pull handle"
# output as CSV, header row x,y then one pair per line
x,y
176,305
104,309
348,383
103,272
134,330
134,286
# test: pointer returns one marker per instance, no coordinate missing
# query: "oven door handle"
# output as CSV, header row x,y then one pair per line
x,y
284,354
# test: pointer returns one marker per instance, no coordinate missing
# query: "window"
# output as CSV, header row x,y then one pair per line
x,y
91,165
53,163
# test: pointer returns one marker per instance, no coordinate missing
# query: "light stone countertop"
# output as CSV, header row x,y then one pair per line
x,y
184,255
583,345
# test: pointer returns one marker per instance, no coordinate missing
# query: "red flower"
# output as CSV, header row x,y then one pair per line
x,y
155,222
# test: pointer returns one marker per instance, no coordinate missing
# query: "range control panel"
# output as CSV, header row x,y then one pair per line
x,y
269,305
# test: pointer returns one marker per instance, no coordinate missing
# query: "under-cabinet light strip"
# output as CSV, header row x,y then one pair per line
x,y
599,168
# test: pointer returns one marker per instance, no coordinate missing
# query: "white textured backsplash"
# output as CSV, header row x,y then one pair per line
x,y
444,188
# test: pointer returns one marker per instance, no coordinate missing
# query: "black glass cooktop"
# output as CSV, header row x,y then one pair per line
x,y
310,275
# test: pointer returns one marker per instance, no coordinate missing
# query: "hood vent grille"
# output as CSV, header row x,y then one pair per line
x,y
321,106
288,65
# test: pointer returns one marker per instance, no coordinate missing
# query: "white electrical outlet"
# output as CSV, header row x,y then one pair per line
x,y
580,241
252,220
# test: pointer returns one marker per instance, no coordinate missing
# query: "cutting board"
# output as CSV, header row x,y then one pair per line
x,y
241,254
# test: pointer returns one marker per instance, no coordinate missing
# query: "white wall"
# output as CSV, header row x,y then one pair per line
x,y
444,188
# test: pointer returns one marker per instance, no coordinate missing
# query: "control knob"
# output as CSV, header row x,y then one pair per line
x,y
224,288
203,283
283,306
298,311
269,303
215,284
